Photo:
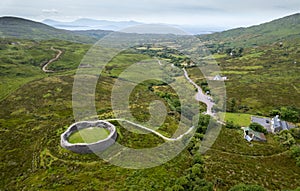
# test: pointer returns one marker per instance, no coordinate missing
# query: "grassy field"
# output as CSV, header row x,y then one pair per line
x,y
89,135
241,119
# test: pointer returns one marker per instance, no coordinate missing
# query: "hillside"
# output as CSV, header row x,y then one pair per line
x,y
266,33
12,27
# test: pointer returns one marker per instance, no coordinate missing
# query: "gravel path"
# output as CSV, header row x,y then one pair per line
x,y
52,60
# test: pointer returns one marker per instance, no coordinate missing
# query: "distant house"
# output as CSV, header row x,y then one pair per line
x,y
251,135
219,78
272,125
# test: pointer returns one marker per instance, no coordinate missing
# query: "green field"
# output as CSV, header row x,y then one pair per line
x,y
89,135
240,119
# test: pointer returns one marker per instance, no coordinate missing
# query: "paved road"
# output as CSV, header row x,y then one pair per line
x,y
52,60
200,96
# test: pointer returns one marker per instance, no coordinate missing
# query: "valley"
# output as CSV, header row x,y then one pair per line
x,y
262,79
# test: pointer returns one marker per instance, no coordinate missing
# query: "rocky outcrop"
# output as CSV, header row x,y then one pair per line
x,y
85,148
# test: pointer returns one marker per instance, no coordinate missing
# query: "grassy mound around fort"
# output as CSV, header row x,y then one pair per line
x,y
89,135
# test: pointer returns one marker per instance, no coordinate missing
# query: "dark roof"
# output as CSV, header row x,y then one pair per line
x,y
257,135
265,122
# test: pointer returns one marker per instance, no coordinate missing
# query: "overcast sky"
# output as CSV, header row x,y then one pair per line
x,y
225,13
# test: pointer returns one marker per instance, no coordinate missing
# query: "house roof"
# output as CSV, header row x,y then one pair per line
x,y
257,135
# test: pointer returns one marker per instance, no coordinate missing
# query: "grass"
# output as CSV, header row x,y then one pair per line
x,y
89,135
241,119
261,71
40,110
21,61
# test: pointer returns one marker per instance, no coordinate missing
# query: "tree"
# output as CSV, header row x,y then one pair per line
x,y
257,127
243,187
232,105
295,132
228,50
289,114
197,159
286,139
240,52
295,151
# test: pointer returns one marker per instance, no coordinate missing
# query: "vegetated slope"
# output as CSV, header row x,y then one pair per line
x,y
261,63
21,61
12,27
95,34
280,29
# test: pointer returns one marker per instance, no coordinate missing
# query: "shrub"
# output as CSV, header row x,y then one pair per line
x,y
295,151
295,132
286,138
243,187
231,125
257,127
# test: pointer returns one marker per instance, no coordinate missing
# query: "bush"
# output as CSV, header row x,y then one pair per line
x,y
295,132
257,127
243,187
295,151
231,125
286,138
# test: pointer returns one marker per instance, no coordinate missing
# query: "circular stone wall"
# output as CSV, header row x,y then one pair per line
x,y
84,148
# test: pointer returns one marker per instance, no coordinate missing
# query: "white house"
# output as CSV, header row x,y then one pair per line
x,y
220,78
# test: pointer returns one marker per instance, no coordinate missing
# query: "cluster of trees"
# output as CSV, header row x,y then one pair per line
x,y
257,127
235,52
233,106
288,138
203,84
290,114
193,178
166,53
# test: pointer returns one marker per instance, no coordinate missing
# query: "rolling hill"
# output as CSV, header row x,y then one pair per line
x,y
266,33
12,27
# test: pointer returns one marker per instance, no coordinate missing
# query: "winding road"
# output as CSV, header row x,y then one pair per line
x,y
200,96
152,131
52,60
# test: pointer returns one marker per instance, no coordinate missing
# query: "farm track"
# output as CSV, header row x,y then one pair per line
x,y
52,60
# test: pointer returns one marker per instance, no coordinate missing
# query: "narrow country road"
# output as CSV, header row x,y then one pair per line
x,y
200,96
52,60
152,131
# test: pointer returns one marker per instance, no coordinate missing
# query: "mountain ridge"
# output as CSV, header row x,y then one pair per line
x,y
15,27
265,33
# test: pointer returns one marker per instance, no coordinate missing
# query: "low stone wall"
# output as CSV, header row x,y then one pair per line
x,y
85,148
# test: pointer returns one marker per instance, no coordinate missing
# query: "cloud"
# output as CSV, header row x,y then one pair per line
x,y
50,11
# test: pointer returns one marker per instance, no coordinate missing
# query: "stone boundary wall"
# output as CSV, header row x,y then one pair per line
x,y
85,148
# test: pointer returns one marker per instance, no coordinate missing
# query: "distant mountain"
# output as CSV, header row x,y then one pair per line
x,y
274,31
91,24
14,27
